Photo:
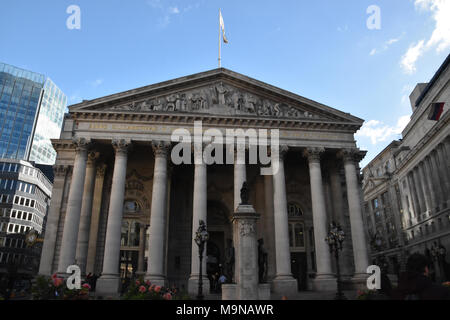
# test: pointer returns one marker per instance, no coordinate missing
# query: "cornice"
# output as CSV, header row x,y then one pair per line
x,y
189,118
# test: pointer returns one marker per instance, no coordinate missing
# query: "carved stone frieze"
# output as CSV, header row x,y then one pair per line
x,y
219,99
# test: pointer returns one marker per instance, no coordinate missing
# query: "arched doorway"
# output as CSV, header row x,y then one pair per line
x,y
219,228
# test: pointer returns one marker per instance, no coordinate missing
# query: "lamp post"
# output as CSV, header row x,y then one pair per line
x,y
334,239
201,237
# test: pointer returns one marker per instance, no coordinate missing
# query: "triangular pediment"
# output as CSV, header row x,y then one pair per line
x,y
218,92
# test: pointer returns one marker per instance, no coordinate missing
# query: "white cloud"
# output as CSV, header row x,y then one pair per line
x,y
96,83
377,131
385,46
440,37
174,10
411,56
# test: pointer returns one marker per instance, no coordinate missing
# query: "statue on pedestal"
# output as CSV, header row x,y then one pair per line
x,y
229,261
262,261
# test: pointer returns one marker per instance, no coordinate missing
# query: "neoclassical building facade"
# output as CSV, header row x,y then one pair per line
x,y
121,207
407,186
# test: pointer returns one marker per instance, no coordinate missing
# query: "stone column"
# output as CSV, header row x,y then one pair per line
x,y
424,188
51,229
283,283
324,278
155,266
86,212
426,171
444,173
109,282
72,219
418,186
439,184
240,176
413,194
141,259
199,213
356,220
338,207
269,238
96,207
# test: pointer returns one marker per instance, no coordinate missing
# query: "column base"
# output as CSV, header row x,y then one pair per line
x,y
284,286
157,280
193,286
324,283
108,286
358,281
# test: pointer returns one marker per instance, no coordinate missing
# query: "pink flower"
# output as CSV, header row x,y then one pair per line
x,y
157,289
58,282
138,282
86,286
151,288
148,283
54,276
142,289
167,296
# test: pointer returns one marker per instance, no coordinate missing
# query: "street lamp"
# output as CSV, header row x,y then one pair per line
x,y
334,239
201,237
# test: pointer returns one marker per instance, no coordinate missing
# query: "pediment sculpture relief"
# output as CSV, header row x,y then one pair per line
x,y
219,99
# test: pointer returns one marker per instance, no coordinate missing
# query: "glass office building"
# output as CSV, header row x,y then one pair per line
x,y
49,124
31,113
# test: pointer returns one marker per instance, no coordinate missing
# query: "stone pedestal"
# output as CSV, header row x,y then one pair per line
x,y
246,258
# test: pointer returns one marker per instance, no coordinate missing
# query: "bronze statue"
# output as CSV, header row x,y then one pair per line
x,y
262,261
245,194
229,261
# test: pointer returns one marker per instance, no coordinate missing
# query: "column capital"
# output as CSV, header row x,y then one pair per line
x,y
92,158
61,170
161,148
101,169
121,146
351,155
81,144
313,154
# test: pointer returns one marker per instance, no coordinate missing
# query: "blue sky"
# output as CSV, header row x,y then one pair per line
x,y
321,49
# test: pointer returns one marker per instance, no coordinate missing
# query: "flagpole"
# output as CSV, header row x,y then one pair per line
x,y
219,42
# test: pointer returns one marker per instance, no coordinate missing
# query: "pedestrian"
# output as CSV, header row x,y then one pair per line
x,y
415,283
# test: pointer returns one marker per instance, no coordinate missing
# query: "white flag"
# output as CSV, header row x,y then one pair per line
x,y
222,27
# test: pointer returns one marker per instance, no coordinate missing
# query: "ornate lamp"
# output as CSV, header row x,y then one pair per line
x,y
335,239
201,237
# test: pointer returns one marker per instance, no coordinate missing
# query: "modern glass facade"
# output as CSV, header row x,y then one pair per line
x,y
49,124
24,133
20,92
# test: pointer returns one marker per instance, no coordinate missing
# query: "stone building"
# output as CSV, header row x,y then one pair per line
x,y
121,207
25,193
407,186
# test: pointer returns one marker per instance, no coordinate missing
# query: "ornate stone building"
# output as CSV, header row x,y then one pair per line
x,y
407,186
121,207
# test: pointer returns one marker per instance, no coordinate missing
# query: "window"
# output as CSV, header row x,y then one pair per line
x,y
296,235
375,203
131,206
